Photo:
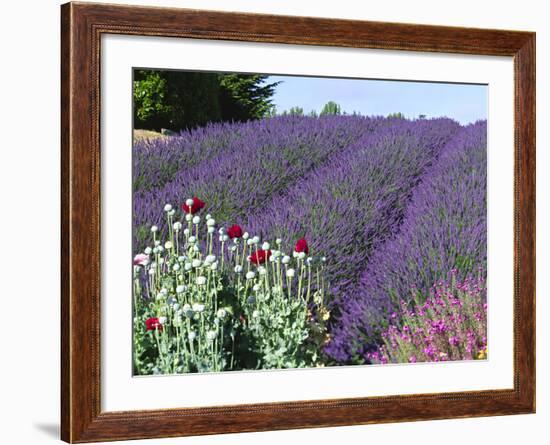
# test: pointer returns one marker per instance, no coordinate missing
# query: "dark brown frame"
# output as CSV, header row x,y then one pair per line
x,y
82,25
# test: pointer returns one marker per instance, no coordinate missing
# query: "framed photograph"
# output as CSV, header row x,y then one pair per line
x,y
274,222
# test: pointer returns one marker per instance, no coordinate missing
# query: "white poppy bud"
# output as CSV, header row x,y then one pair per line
x,y
196,263
188,266
265,246
186,232
250,242
157,243
233,248
221,313
278,241
211,335
176,266
301,255
154,229
245,235
188,217
255,314
250,275
189,202
148,251
192,240
262,270
198,307
177,226
286,259
238,269
210,259
196,248
181,289
151,271
201,281
160,249
171,212
162,320
221,231
214,265
192,336
211,229
256,239
290,273
182,258
256,287
167,207
196,219
210,222
168,245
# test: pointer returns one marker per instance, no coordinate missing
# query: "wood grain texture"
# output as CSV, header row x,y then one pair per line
x,y
81,28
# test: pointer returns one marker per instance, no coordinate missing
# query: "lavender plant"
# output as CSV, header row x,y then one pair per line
x,y
205,305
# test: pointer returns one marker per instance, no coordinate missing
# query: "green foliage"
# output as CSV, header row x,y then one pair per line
x,y
245,96
331,108
296,111
177,100
195,311
397,115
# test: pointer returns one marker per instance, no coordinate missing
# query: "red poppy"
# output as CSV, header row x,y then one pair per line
x,y
197,205
235,231
153,324
301,246
260,256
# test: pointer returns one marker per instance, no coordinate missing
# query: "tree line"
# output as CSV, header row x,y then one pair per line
x,y
180,100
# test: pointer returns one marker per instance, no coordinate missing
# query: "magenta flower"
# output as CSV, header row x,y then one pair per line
x,y
141,259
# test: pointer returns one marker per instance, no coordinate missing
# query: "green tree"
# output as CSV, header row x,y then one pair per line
x,y
178,100
397,115
245,96
331,108
296,111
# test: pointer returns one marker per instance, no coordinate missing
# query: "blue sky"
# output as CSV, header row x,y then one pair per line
x,y
462,102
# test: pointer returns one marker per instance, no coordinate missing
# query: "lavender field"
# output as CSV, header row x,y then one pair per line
x,y
296,241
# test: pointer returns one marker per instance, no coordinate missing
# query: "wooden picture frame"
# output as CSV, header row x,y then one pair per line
x,y
82,26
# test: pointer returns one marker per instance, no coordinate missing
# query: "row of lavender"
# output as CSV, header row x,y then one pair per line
x,y
444,232
235,168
